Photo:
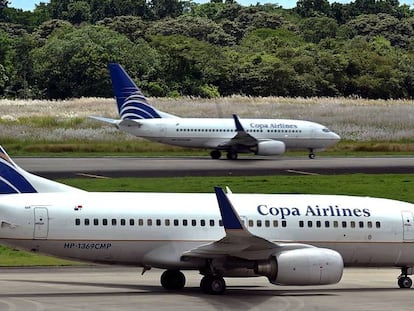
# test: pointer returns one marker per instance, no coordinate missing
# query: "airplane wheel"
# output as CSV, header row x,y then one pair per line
x,y
213,285
312,156
405,282
215,154
232,155
173,280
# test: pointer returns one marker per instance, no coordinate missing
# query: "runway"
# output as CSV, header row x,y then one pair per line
x,y
203,166
108,288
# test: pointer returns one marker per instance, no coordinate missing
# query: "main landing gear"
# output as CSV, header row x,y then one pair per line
x,y
231,155
210,283
404,281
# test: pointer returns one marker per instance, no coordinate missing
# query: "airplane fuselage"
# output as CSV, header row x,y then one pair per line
x,y
153,229
211,133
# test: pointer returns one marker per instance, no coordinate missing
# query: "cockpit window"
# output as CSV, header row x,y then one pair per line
x,y
326,130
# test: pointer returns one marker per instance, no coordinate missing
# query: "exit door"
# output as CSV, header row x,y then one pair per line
x,y
408,225
41,223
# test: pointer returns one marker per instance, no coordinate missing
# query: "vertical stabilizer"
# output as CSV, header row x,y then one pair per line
x,y
132,104
14,179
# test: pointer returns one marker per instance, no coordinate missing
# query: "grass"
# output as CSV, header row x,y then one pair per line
x,y
393,186
10,257
396,186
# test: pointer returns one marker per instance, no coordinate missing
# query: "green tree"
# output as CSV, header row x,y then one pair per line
x,y
78,12
73,63
313,8
6,65
23,84
131,26
190,66
315,29
398,32
199,28
3,5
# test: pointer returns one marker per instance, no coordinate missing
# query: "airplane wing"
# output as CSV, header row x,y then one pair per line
x,y
242,138
238,242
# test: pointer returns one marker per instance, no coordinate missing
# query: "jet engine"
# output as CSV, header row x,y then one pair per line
x,y
309,266
270,147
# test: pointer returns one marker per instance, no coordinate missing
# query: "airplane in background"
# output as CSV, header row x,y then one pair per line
x,y
267,137
290,239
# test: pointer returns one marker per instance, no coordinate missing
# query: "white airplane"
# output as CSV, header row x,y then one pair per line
x,y
267,137
290,239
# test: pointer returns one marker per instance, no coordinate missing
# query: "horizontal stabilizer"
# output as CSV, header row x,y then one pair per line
x,y
106,120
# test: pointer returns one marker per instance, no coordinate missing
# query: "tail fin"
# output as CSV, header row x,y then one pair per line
x,y
132,104
14,179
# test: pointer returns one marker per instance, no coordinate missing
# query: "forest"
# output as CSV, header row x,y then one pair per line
x,y
172,48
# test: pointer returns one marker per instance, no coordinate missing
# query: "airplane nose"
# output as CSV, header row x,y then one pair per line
x,y
335,137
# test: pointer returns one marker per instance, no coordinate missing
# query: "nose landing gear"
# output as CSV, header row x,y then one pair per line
x,y
311,154
404,281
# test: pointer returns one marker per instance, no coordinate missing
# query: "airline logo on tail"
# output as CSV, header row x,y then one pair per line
x,y
132,104
11,180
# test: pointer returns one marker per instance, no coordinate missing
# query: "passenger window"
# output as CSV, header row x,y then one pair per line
x,y
344,224
301,224
193,222
176,222
309,223
123,222
352,224
86,222
267,223
140,222
131,222
113,222
378,224
158,222
77,222
167,222
105,222
96,221
211,222
259,223
327,223
185,222
318,224
275,223
284,223
220,223
369,224
361,224
335,224
149,222
202,223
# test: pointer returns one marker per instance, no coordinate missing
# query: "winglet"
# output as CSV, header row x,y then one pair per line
x,y
231,220
239,127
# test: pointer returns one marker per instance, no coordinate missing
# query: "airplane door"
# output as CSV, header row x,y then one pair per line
x,y
41,223
408,225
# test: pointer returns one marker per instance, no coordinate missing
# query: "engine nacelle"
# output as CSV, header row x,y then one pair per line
x,y
306,266
270,147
